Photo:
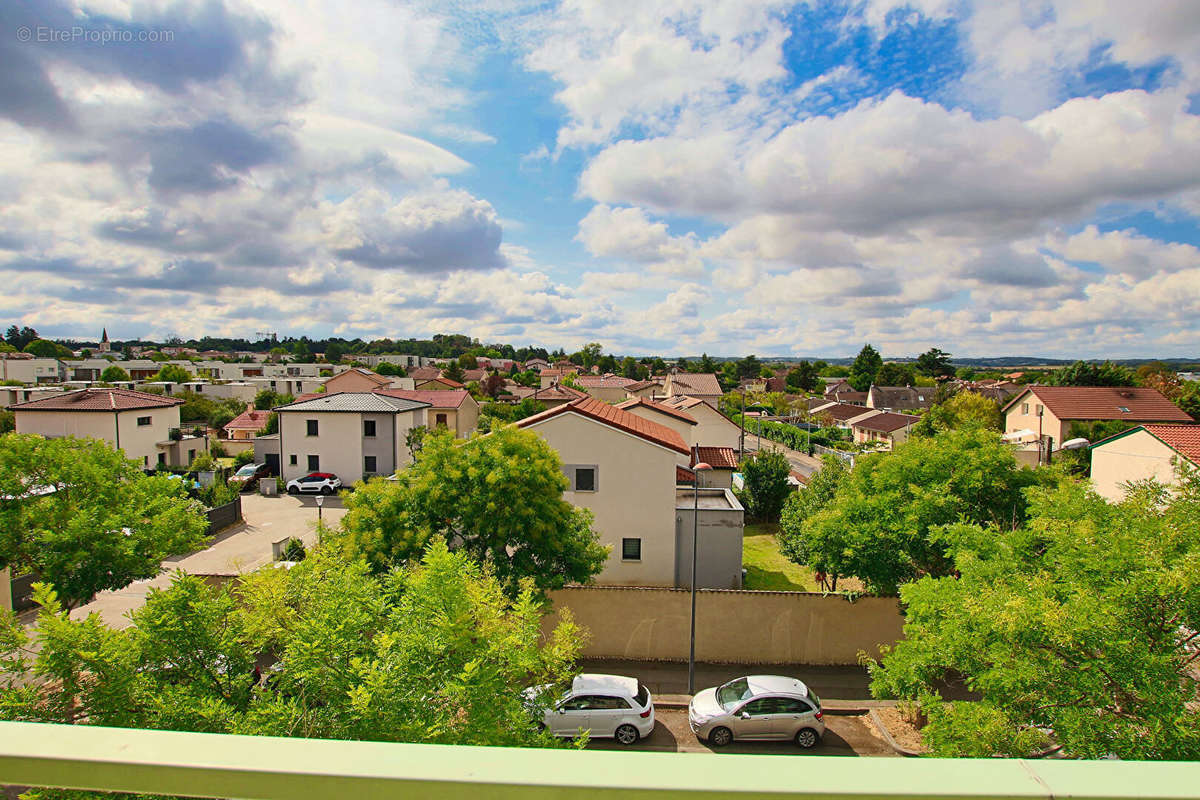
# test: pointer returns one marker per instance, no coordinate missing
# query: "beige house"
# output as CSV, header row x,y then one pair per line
x,y
145,426
885,429
700,385
356,379
245,426
1147,451
1045,413
354,435
455,409
643,390
676,419
622,468
609,388
713,429
25,368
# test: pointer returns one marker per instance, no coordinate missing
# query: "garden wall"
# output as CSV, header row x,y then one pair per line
x,y
732,626
222,517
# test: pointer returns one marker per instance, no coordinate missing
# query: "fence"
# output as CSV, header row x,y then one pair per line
x,y
22,591
221,517
732,626
789,435
842,454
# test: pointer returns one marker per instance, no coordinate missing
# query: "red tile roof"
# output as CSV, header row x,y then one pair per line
x,y
716,457
641,402
437,398
843,412
616,418
1183,439
558,392
424,373
250,420
1105,402
444,382
98,400
639,385
605,381
887,422
684,475
703,383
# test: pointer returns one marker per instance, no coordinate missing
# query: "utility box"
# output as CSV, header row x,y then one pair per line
x,y
268,487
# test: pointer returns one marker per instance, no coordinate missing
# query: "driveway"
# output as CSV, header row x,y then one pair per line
x,y
239,549
844,736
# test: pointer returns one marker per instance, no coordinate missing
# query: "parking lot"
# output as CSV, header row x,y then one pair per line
x,y
844,736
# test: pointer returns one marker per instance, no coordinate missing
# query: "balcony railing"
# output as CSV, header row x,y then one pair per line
x,y
212,765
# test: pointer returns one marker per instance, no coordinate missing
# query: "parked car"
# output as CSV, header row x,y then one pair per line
x,y
606,706
323,482
246,478
757,707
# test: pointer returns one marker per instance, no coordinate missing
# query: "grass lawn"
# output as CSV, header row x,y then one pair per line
x,y
766,568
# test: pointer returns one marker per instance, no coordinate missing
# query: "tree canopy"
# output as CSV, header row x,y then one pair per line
x,y
44,348
963,409
882,523
113,373
172,373
893,374
866,365
804,376
434,652
934,363
766,483
1084,373
497,498
1083,622
85,518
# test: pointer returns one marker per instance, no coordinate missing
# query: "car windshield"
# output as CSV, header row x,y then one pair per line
x,y
733,693
247,471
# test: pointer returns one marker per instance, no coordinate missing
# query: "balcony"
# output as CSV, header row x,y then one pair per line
x,y
211,765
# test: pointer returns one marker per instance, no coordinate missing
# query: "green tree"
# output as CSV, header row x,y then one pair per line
x,y
804,377
706,365
866,365
19,338
44,348
455,491
589,355
748,367
453,371
467,361
882,523
608,365
1079,622
1083,373
102,525
271,426
1189,399
934,363
629,368
113,374
388,368
334,352
893,374
172,373
8,421
766,483
268,398
961,410
833,371
804,505
434,652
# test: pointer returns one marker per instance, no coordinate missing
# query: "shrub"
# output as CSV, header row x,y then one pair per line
x,y
293,551
217,450
203,462
243,458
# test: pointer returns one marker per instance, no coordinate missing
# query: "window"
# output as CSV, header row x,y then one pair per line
x,y
440,420
191,455
607,703
580,703
311,426
162,458
760,707
631,549
142,421
585,479
314,463
369,464
1123,409
789,705
369,428
1038,409
292,459
1024,408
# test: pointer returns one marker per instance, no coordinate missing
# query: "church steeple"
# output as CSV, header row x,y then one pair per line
x,y
105,347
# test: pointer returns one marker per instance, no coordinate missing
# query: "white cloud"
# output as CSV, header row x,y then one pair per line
x,y
628,234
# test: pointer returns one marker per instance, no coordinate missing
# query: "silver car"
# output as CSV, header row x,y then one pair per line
x,y
757,707
607,706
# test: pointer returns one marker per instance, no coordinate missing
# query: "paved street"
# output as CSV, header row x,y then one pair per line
x,y
670,677
844,736
241,548
801,462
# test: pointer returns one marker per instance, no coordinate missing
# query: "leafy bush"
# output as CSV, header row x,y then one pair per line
x,y
243,458
218,494
217,450
766,483
792,437
293,551
203,462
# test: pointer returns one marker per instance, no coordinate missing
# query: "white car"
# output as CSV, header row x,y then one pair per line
x,y
606,706
757,707
323,482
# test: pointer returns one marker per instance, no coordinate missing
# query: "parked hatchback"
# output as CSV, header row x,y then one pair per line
x,y
606,706
247,477
757,707
322,482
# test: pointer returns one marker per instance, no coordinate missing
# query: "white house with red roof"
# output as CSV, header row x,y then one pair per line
x,y
1159,452
145,426
625,468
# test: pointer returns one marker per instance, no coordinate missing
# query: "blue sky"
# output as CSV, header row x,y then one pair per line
x,y
661,177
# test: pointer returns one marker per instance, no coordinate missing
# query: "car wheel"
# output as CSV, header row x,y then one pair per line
x,y
719,737
807,738
326,490
293,490
626,734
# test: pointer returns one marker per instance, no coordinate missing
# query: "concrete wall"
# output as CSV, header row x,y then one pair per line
x,y
468,417
352,381
713,429
731,626
634,497
719,535
607,394
684,429
1136,456
338,443
382,445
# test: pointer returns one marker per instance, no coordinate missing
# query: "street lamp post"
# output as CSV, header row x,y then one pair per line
x,y
696,470
320,518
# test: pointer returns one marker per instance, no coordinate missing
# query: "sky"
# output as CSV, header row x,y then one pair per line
x,y
788,179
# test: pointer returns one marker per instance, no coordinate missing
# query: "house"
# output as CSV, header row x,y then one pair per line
x,y
455,409
836,385
623,468
852,398
25,368
437,384
700,385
358,379
676,419
886,428
609,388
900,398
550,376
554,396
425,373
406,361
245,426
713,429
536,364
145,426
1147,451
643,389
724,462
843,415
1045,413
354,435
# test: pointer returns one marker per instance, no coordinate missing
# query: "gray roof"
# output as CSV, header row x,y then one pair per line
x,y
363,402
